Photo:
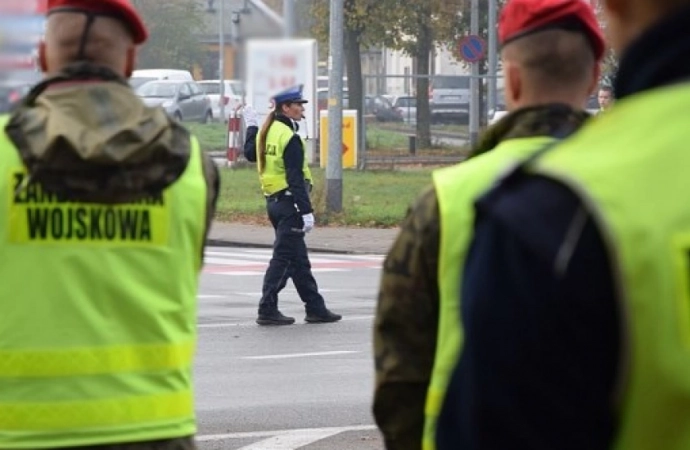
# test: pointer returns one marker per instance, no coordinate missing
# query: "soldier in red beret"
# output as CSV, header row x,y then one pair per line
x,y
106,207
551,52
576,291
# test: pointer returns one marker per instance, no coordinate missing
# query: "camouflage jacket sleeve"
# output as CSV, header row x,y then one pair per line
x,y
406,325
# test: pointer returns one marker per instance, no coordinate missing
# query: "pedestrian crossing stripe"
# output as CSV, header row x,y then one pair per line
x,y
283,439
247,263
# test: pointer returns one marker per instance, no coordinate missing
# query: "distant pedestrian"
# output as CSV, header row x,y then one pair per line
x,y
551,51
605,98
106,204
286,182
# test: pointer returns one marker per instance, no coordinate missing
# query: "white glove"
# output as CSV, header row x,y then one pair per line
x,y
250,117
308,220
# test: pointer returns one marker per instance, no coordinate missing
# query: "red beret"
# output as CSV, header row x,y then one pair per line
x,y
522,17
122,9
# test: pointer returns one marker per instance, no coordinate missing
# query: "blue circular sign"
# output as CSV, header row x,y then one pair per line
x,y
472,48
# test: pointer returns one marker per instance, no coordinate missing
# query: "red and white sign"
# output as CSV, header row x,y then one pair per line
x,y
274,65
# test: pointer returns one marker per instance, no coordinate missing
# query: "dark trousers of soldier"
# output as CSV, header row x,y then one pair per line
x,y
168,444
290,259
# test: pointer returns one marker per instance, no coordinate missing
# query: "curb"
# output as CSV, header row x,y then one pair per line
x,y
224,243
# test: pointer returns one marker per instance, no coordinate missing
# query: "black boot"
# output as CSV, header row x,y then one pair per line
x,y
324,316
274,317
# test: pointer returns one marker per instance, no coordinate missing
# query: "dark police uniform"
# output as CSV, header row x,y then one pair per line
x,y
286,182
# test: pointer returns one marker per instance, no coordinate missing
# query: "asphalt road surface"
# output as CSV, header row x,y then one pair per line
x,y
303,386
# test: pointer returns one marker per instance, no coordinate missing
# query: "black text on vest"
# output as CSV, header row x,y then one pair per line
x,y
50,217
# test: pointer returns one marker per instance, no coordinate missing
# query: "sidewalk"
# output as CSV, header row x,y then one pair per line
x,y
322,239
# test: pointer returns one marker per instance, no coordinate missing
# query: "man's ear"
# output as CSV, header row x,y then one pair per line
x,y
131,61
42,58
513,80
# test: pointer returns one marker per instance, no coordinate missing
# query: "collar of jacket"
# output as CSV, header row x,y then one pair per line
x,y
287,121
555,120
660,56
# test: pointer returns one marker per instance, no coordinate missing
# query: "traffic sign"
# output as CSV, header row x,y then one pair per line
x,y
472,48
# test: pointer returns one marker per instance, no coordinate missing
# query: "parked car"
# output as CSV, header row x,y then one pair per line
x,y
408,108
183,100
142,76
12,92
232,96
453,90
382,109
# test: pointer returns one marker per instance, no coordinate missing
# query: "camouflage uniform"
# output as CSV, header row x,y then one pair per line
x,y
152,153
153,149
407,315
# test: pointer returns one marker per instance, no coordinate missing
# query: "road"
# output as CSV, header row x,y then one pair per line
x,y
282,388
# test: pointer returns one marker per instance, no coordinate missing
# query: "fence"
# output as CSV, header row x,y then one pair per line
x,y
390,109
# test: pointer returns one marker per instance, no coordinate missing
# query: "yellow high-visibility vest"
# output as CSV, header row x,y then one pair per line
x,y
98,321
630,168
457,188
273,176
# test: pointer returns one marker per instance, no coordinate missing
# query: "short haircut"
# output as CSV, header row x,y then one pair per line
x,y
606,88
107,43
553,58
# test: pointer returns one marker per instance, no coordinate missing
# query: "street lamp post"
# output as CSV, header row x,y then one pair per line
x,y
221,59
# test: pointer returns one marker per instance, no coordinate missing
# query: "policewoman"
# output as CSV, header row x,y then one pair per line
x,y
105,207
286,182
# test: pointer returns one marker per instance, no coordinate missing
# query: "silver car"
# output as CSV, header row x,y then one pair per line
x,y
233,96
183,100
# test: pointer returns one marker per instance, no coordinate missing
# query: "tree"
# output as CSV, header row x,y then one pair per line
x,y
412,26
173,27
418,26
363,27
609,65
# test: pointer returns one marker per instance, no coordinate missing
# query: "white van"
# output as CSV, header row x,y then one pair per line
x,y
140,77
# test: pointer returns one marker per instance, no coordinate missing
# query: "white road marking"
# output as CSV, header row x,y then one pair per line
x,y
244,273
301,355
290,441
259,434
252,323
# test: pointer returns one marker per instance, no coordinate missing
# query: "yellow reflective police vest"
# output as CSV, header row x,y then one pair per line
x,y
98,321
273,176
630,167
457,188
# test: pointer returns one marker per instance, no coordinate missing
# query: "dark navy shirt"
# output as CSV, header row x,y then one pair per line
x,y
293,157
540,357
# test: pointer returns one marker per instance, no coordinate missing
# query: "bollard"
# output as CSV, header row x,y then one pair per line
x,y
412,144
234,125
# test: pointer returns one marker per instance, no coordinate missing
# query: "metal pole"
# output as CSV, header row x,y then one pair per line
x,y
334,168
289,18
221,58
493,55
474,81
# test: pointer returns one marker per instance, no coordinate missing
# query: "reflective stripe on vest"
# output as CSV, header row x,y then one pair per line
x,y
273,176
457,188
105,299
630,168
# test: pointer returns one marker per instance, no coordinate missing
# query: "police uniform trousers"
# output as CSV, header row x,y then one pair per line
x,y
290,259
